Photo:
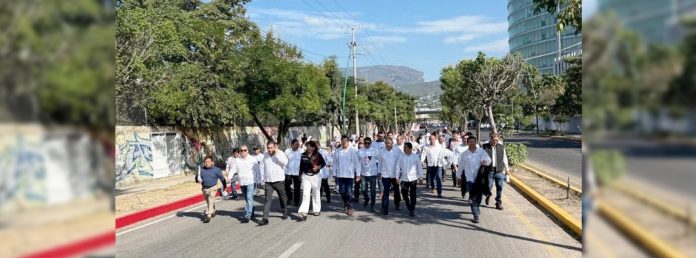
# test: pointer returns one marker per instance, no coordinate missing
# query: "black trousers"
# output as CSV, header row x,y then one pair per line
x,y
326,189
269,188
463,185
293,192
408,192
356,191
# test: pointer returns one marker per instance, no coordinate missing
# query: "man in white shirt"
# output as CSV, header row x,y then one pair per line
x,y
388,158
244,167
258,155
400,140
230,174
378,145
500,168
457,152
408,171
292,173
368,172
469,163
326,172
346,167
273,167
433,156
448,158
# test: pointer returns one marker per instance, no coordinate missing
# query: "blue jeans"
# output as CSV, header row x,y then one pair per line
x,y
248,192
387,184
345,187
435,174
498,179
474,201
372,182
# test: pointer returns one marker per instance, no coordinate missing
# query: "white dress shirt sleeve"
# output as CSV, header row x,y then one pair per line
x,y
281,159
461,164
505,161
356,163
419,168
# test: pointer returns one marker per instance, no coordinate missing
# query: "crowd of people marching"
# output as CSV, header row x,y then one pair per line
x,y
391,164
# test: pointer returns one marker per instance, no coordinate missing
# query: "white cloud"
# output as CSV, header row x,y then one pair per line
x,y
465,23
386,39
460,39
498,46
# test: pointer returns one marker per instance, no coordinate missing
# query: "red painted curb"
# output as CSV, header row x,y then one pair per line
x,y
79,247
161,209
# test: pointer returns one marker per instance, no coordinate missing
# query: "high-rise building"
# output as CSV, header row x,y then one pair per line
x,y
656,21
535,37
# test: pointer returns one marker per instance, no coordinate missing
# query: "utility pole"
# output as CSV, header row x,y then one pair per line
x,y
355,75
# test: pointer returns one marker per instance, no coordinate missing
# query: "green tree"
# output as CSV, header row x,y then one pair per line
x,y
495,80
282,87
56,62
570,16
181,62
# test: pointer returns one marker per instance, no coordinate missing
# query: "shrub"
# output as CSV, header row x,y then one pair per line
x,y
516,153
608,165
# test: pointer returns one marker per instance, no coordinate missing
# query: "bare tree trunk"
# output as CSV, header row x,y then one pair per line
x,y
282,131
489,112
263,130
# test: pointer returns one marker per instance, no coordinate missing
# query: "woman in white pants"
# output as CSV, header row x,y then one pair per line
x,y
311,164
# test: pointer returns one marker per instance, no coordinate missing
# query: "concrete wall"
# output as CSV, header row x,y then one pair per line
x,y
145,153
573,126
41,167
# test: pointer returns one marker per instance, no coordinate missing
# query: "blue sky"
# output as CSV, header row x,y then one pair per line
x,y
424,35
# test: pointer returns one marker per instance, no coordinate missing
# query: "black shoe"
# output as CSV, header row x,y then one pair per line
x,y
234,197
302,218
263,222
439,196
476,219
206,219
285,215
245,220
385,211
213,215
398,208
488,200
365,205
412,214
328,201
499,206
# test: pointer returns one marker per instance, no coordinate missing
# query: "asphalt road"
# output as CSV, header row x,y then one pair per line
x,y
665,166
441,228
562,158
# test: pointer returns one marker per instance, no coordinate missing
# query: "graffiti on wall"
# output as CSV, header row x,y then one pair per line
x,y
134,157
23,173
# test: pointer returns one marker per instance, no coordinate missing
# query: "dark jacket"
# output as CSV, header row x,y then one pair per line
x,y
480,186
307,163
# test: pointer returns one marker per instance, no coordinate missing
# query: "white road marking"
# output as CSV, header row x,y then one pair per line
x,y
159,220
292,249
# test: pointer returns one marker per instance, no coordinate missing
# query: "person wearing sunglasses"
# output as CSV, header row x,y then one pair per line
x,y
244,167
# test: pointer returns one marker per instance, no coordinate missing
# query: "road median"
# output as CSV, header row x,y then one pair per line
x,y
555,210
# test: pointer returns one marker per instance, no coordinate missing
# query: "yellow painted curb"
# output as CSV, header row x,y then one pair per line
x,y
638,234
665,208
556,211
550,178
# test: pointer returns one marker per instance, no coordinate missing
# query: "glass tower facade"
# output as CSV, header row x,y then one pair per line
x,y
534,36
655,21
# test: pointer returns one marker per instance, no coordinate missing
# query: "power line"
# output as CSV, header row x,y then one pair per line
x,y
264,32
